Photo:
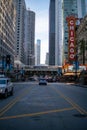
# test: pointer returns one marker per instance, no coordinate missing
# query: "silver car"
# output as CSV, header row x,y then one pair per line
x,y
42,81
6,87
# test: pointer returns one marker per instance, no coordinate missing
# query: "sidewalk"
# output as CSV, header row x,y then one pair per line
x,y
81,85
77,84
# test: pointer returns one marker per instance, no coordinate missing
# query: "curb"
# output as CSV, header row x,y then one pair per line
x,y
80,85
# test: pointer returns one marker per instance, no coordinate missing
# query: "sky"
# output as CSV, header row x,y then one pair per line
x,y
41,9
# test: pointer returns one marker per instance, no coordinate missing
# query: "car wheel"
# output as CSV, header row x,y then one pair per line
x,y
6,93
11,93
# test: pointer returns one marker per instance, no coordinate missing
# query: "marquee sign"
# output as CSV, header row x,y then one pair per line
x,y
71,45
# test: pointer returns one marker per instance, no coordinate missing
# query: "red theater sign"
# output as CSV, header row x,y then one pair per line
x,y
71,45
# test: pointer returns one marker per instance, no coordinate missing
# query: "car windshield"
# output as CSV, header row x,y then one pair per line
x,y
2,81
42,79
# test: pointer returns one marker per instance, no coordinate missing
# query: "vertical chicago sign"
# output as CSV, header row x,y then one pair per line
x,y
71,41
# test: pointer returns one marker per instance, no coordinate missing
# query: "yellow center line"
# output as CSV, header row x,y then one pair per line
x,y
37,113
13,102
76,106
1,110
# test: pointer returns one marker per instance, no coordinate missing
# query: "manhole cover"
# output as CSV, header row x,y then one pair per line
x,y
80,115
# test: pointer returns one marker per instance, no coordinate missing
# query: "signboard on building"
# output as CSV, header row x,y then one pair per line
x,y
71,42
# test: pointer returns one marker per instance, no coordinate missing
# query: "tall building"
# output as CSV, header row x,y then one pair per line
x,y
86,5
7,29
47,59
69,8
81,36
30,37
58,32
58,29
52,32
37,54
76,8
82,7
20,30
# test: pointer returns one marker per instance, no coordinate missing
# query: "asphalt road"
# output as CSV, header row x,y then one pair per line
x,y
57,106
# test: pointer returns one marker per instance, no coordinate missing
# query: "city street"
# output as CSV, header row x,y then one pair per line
x,y
55,106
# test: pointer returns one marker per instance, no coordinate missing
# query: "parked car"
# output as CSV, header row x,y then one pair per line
x,y
6,87
42,81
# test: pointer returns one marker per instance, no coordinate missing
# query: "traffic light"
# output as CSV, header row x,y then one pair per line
x,y
8,59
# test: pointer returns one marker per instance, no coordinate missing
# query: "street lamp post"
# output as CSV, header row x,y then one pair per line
x,y
76,67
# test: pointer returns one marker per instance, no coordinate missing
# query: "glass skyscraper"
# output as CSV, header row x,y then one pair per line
x,y
30,37
69,8
58,27
52,33
58,32
82,9
76,8
38,49
20,30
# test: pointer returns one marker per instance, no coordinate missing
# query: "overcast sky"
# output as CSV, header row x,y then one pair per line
x,y
41,9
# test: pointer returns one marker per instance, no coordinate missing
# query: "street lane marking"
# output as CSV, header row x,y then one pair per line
x,y
76,106
37,113
14,101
